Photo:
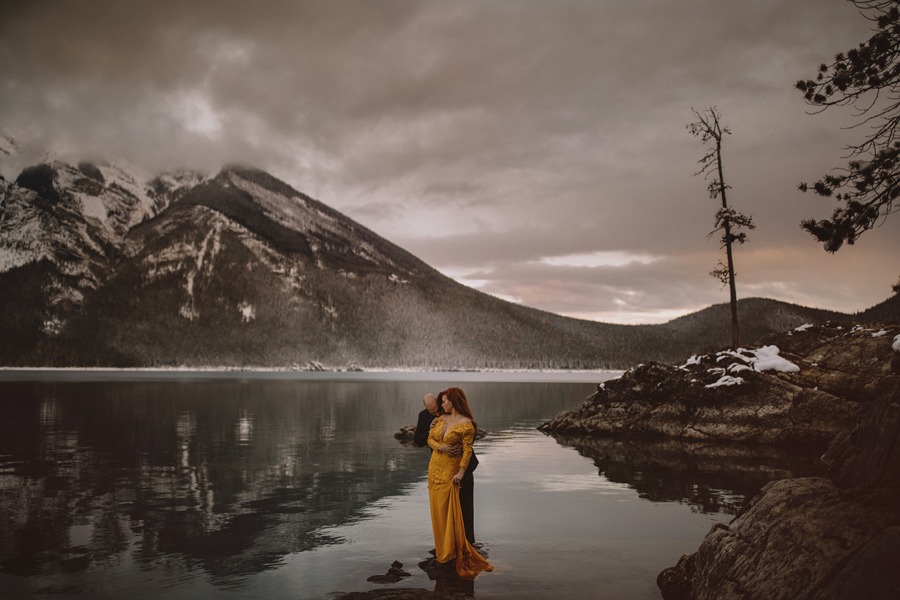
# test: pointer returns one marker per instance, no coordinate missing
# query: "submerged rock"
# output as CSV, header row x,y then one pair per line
x,y
802,387
448,584
393,575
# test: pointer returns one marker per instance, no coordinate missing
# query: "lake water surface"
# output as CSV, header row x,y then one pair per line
x,y
227,485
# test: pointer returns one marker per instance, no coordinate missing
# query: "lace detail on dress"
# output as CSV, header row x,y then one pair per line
x,y
442,467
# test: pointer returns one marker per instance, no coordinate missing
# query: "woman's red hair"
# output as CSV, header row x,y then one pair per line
x,y
459,402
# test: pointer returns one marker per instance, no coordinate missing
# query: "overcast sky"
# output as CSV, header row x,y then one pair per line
x,y
533,149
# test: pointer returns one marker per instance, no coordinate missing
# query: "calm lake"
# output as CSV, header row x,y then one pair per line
x,y
259,485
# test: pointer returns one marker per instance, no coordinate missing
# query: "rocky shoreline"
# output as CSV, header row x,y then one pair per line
x,y
802,387
815,537
836,536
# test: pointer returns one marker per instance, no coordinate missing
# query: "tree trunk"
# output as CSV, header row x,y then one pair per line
x,y
735,331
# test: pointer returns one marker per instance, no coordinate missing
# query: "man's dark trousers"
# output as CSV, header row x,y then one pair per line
x,y
466,486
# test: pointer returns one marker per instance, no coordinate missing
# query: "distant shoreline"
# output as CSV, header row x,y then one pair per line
x,y
39,374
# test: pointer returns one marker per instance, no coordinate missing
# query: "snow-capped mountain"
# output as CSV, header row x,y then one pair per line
x,y
76,219
101,264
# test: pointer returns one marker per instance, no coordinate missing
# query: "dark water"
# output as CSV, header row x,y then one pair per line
x,y
223,486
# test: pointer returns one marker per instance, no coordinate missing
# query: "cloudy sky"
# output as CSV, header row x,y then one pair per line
x,y
534,149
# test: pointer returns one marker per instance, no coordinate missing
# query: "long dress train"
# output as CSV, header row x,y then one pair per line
x,y
450,541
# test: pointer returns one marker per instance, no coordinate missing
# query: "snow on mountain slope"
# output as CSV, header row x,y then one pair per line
x,y
85,220
184,248
303,216
36,228
73,216
75,219
294,223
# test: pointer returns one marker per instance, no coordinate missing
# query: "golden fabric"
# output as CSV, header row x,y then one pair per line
x,y
450,541
442,467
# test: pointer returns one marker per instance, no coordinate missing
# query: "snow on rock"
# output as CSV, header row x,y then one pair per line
x,y
803,327
761,359
767,359
726,380
896,344
694,360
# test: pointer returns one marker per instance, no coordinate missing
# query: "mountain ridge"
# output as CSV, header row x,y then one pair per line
x,y
100,267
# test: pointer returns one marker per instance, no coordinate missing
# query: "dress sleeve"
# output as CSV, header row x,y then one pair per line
x,y
468,438
433,442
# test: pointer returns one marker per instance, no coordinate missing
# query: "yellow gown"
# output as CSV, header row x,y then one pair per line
x,y
450,541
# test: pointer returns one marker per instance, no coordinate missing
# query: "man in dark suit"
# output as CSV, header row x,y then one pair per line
x,y
467,485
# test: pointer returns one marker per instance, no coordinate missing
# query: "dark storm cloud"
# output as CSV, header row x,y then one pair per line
x,y
484,136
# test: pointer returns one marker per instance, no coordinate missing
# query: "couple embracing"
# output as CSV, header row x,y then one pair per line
x,y
448,427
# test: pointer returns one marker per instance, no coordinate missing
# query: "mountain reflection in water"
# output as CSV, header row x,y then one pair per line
x,y
189,488
711,477
228,482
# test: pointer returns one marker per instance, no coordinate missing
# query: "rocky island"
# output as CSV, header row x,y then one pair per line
x,y
834,387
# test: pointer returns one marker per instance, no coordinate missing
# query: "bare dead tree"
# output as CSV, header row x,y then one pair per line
x,y
709,129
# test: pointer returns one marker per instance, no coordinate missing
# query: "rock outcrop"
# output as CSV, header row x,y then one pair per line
x,y
811,538
806,387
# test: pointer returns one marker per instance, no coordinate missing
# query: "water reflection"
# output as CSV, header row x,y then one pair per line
x,y
226,479
168,484
710,477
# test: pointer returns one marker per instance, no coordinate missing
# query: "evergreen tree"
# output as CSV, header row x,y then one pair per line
x,y
866,78
709,129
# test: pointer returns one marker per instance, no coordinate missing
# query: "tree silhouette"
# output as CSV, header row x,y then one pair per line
x,y
709,129
866,78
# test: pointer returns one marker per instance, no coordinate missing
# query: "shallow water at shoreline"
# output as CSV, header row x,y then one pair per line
x,y
240,487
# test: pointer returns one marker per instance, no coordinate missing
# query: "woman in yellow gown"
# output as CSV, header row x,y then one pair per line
x,y
455,426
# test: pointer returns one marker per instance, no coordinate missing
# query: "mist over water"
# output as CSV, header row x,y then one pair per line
x,y
191,486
